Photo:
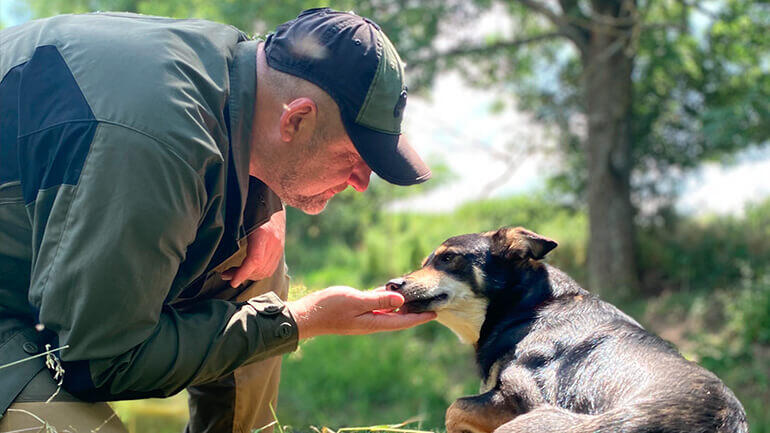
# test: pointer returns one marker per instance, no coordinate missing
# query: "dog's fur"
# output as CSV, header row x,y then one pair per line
x,y
552,356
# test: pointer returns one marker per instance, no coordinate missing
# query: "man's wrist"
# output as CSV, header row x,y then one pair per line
x,y
301,318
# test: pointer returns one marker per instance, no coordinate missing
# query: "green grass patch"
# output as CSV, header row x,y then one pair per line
x,y
154,415
341,381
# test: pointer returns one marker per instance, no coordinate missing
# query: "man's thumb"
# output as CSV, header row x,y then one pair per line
x,y
382,300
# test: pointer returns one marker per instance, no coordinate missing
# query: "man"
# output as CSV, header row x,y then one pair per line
x,y
143,162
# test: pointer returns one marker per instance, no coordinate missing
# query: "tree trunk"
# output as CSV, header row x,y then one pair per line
x,y
607,74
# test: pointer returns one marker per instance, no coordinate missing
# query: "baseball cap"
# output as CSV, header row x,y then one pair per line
x,y
352,60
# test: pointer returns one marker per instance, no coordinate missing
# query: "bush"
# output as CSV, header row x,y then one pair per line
x,y
692,254
740,355
398,242
728,332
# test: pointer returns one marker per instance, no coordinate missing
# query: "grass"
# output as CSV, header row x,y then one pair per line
x,y
154,415
376,379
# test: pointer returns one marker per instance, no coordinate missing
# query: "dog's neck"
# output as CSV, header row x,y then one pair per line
x,y
465,322
509,318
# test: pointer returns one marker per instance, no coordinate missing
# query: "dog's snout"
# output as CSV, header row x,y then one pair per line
x,y
395,284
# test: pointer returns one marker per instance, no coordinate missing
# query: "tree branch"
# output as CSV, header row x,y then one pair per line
x,y
463,50
664,25
543,10
571,9
563,22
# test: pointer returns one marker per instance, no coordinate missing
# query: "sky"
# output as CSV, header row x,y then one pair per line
x,y
508,152
489,154
13,12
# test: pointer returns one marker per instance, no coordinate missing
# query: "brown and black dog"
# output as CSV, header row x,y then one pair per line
x,y
553,357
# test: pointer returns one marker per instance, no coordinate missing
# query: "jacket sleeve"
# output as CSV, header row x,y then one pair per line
x,y
111,247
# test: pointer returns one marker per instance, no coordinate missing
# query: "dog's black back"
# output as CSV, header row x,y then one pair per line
x,y
587,357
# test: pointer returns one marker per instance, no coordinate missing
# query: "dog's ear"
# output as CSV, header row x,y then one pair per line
x,y
520,243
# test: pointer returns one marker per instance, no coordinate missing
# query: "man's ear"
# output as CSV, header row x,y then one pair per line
x,y
513,243
298,119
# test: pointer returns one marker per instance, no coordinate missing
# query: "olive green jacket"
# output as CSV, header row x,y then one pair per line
x,y
123,188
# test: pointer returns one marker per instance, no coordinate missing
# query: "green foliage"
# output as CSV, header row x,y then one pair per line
x,y
352,381
702,93
384,245
154,415
725,331
411,25
708,253
749,314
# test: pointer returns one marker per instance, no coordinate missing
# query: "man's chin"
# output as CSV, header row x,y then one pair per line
x,y
309,205
313,210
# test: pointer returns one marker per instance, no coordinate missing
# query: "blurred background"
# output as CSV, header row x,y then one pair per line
x,y
634,132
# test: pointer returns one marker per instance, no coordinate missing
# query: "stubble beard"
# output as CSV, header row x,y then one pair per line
x,y
311,205
292,179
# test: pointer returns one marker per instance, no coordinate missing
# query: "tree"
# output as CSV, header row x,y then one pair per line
x,y
662,85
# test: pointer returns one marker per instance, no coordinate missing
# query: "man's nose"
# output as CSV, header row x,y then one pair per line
x,y
359,178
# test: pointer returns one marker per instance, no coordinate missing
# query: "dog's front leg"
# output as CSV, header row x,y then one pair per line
x,y
481,413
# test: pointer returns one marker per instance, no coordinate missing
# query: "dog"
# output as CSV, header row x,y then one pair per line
x,y
554,357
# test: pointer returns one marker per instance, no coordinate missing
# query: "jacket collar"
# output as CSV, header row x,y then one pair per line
x,y
248,202
243,91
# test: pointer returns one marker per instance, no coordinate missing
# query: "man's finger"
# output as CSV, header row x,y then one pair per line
x,y
376,300
228,274
246,272
396,321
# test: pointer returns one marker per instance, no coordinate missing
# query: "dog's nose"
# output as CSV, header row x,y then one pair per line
x,y
395,284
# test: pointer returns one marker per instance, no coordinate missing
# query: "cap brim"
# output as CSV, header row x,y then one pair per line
x,y
388,155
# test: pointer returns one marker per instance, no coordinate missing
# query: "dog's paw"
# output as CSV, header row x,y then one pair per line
x,y
463,428
460,418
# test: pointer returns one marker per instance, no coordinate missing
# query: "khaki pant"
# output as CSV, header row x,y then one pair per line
x,y
30,413
238,403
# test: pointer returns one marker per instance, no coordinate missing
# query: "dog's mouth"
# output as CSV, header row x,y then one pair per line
x,y
421,304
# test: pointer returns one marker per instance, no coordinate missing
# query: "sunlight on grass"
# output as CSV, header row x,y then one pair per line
x,y
154,415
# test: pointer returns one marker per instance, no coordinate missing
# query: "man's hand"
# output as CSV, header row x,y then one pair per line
x,y
263,252
345,310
